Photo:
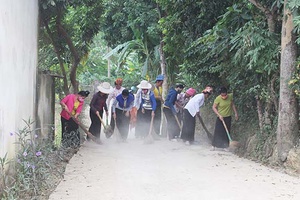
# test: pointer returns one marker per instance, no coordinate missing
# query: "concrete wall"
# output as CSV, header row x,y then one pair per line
x,y
45,106
18,64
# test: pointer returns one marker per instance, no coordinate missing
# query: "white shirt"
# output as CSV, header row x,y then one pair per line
x,y
193,106
113,95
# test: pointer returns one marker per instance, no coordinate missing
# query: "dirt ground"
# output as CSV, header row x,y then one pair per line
x,y
168,170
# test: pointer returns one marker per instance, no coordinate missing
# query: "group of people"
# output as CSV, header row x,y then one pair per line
x,y
147,105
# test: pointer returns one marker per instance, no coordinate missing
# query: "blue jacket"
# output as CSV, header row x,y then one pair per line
x,y
119,102
170,100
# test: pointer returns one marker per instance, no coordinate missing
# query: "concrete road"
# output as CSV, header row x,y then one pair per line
x,y
168,170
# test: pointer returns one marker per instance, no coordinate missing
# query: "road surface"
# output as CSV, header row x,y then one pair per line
x,y
168,170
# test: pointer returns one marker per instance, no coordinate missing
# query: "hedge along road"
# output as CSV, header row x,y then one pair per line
x,y
168,170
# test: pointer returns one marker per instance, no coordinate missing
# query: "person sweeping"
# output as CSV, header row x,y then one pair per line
x,y
173,125
223,107
97,107
71,106
121,108
158,91
191,109
146,105
117,90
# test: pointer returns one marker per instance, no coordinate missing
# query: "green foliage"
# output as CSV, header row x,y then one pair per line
x,y
66,32
33,165
184,22
131,29
94,66
294,83
3,177
138,52
238,52
293,4
130,20
296,21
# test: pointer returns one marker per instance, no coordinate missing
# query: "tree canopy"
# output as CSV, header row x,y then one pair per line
x,y
238,44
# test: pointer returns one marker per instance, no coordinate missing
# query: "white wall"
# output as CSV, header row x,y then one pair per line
x,y
18,64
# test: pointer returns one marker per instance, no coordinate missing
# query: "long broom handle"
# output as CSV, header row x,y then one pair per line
x,y
151,125
226,130
177,121
82,127
209,135
100,119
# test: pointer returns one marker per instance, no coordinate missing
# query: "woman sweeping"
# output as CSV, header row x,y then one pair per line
x,y
71,105
191,109
223,107
121,108
97,107
146,105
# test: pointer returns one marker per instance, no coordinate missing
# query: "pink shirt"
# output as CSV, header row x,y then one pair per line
x,y
69,100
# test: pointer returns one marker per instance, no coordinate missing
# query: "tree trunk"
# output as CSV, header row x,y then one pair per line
x,y
259,113
76,59
60,60
108,64
271,14
163,67
265,119
287,129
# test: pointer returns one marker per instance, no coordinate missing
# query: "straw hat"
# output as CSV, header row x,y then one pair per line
x,y
144,85
105,88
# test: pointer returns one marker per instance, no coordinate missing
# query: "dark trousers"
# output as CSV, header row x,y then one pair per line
x,y
157,118
172,125
220,139
95,127
122,123
70,133
143,123
188,128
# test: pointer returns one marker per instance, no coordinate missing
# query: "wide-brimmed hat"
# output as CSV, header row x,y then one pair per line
x,y
105,88
144,85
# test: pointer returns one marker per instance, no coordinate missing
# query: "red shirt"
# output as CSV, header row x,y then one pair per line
x,y
98,102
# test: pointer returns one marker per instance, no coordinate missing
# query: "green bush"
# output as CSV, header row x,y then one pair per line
x,y
37,166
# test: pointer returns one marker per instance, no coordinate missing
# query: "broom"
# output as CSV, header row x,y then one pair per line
x,y
178,123
149,138
90,135
232,144
116,133
209,135
107,128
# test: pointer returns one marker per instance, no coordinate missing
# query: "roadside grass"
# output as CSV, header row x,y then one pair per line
x,y
38,166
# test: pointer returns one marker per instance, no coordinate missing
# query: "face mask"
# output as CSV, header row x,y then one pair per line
x,y
81,99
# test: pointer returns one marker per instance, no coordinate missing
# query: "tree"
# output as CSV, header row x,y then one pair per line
x,y
288,116
132,26
70,27
182,24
